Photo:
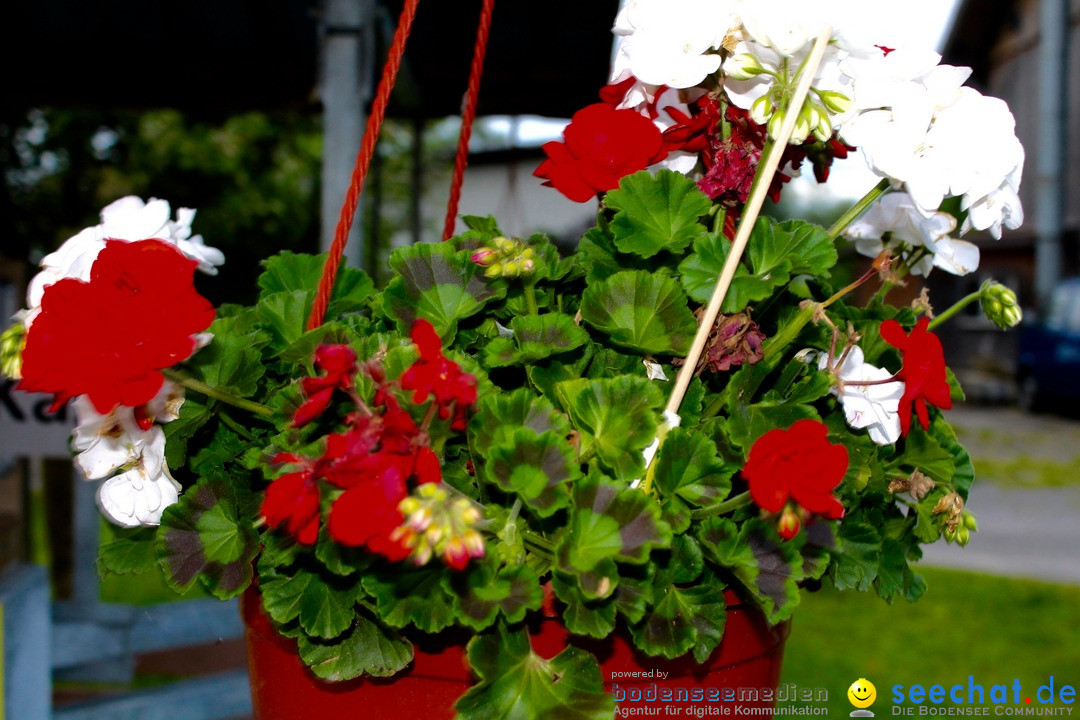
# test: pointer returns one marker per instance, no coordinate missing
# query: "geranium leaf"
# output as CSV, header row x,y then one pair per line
x,y
924,453
540,336
616,417
656,212
499,414
131,550
231,362
287,271
749,422
609,522
285,315
641,311
538,468
207,535
768,568
517,684
535,337
369,648
857,556
684,619
689,466
412,597
194,413
324,604
806,246
583,615
434,281
481,592
963,474
699,272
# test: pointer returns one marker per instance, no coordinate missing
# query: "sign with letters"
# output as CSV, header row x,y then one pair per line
x,y
27,428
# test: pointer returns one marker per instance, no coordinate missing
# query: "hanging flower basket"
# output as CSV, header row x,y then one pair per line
x,y
511,473
283,688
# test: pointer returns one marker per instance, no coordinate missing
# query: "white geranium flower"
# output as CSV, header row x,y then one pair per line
x,y
871,407
112,441
72,259
786,26
669,42
896,217
998,207
128,218
138,496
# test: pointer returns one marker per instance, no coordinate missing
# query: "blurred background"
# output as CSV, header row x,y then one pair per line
x,y
251,112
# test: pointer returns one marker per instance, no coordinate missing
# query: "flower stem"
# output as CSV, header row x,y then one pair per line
x,y
957,307
733,503
538,540
237,427
857,209
530,298
216,393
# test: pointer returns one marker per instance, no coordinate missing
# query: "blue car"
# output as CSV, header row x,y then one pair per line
x,y
1048,366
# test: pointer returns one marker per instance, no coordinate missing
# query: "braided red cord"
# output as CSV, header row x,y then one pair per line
x,y
363,162
468,114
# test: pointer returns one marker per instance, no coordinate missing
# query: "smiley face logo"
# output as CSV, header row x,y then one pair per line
x,y
862,693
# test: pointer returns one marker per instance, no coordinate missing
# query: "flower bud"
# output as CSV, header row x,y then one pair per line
x,y
742,67
835,102
494,270
483,257
788,525
1000,305
968,518
761,111
12,343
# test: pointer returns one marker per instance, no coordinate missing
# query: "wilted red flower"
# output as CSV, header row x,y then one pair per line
x,y
292,500
435,374
109,338
799,463
600,147
339,365
923,371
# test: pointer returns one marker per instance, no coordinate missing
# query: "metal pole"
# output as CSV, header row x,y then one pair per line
x,y
1050,161
348,43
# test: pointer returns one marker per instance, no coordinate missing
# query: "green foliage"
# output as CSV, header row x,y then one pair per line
x,y
515,682
641,312
656,212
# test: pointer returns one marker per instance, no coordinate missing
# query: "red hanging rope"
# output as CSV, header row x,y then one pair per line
x,y
363,162
468,114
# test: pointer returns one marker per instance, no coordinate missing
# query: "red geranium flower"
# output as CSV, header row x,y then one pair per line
x,y
434,374
923,371
109,338
799,463
293,501
601,146
339,365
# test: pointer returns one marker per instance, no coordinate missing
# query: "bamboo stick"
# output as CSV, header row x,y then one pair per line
x,y
746,222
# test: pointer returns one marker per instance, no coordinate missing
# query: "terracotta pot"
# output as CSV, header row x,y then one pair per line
x,y
283,688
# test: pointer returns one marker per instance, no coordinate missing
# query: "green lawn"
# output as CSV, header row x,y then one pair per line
x,y
996,629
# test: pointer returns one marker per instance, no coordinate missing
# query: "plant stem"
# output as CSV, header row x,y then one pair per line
x,y
957,307
538,540
857,209
530,298
733,503
216,393
237,427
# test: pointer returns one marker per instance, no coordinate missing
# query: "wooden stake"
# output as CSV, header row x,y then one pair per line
x,y
746,222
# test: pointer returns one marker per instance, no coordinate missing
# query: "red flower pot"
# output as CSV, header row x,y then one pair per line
x,y
283,688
